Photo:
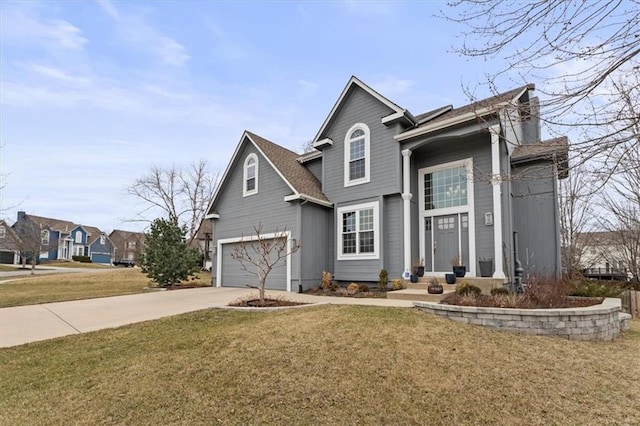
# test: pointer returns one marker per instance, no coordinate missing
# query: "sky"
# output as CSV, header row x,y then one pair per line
x,y
94,93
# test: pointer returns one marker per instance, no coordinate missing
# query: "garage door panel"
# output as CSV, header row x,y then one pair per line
x,y
234,276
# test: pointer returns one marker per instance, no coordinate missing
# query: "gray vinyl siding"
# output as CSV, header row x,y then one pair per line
x,y
315,167
385,163
314,243
239,215
536,219
479,149
393,236
236,277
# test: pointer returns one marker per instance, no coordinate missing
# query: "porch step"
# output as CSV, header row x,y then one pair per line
x,y
485,284
416,294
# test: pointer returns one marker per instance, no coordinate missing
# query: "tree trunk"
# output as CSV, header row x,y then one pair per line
x,y
33,267
263,282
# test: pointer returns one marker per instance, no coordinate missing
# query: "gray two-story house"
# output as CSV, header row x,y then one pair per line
x,y
388,189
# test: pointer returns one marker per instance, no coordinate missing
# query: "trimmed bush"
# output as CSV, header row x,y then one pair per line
x,y
352,288
82,259
499,291
363,288
596,289
465,288
383,280
327,280
397,284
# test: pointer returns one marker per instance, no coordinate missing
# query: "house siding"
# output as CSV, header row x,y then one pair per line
x,y
239,215
314,241
536,218
393,236
315,167
385,172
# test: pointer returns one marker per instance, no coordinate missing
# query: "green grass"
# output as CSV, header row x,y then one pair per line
x,y
6,268
75,265
319,365
76,286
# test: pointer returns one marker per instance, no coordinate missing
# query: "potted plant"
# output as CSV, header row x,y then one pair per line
x,y
486,266
418,267
459,267
450,278
435,287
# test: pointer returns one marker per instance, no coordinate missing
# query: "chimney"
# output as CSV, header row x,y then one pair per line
x,y
21,216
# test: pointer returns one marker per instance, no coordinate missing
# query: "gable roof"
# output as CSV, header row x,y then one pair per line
x,y
285,162
462,114
556,149
355,82
11,240
53,224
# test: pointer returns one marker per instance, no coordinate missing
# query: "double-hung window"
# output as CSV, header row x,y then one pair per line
x,y
356,155
250,175
358,234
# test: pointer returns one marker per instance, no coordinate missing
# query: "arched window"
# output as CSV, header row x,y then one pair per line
x,y
250,175
357,155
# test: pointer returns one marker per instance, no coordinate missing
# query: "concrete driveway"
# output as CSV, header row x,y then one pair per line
x,y
24,324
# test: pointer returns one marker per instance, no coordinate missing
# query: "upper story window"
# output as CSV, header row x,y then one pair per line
x,y
250,175
358,236
445,188
2,231
102,239
44,237
131,244
357,155
78,237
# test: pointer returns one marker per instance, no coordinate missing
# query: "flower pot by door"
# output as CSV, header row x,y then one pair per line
x,y
414,278
420,271
460,271
486,268
450,278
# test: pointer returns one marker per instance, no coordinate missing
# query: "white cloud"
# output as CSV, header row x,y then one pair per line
x,y
57,74
390,86
19,26
109,8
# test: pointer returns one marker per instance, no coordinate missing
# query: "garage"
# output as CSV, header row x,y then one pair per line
x,y
234,276
7,257
100,258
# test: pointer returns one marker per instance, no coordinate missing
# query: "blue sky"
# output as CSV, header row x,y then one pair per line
x,y
92,93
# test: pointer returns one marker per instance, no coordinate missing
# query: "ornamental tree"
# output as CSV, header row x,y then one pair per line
x,y
167,258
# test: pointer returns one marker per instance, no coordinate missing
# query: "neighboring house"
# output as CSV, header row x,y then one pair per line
x,y
9,245
386,187
202,241
602,255
62,239
128,245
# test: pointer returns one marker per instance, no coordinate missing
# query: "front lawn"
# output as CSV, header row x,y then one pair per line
x,y
319,365
75,286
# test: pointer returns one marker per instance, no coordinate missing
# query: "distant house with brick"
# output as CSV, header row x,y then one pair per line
x,y
128,245
9,245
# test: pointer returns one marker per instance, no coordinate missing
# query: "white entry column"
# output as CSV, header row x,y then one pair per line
x,y
406,206
496,181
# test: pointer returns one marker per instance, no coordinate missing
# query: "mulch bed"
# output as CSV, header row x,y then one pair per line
x,y
268,303
373,293
183,286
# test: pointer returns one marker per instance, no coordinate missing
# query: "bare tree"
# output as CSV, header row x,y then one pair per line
x,y
259,254
30,241
575,195
183,195
578,49
622,201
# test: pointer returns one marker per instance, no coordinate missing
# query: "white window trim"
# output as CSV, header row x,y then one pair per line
x,y
469,209
246,193
44,237
78,237
376,231
367,155
3,231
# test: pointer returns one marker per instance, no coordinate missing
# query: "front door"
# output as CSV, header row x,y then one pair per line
x,y
445,241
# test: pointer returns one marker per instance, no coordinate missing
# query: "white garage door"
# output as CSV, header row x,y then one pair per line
x,y
234,276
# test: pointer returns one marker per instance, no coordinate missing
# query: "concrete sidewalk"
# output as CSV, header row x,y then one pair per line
x,y
25,324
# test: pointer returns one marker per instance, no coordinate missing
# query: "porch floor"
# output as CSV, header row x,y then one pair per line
x,y
418,291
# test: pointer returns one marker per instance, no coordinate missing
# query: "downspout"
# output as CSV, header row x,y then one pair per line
x,y
406,207
299,235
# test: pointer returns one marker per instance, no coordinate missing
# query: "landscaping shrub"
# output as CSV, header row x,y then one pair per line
x,y
398,284
499,291
383,280
365,288
465,288
327,280
352,288
83,259
596,289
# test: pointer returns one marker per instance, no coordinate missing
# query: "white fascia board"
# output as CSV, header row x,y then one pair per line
x,y
354,80
272,165
212,216
305,197
445,123
309,156
400,115
323,143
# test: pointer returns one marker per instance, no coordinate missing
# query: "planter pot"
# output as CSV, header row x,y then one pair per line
x,y
414,278
435,289
486,268
420,271
460,271
451,278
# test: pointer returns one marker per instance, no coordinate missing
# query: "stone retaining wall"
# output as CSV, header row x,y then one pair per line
x,y
598,322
